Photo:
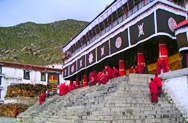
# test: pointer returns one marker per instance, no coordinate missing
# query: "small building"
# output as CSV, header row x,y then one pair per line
x,y
14,73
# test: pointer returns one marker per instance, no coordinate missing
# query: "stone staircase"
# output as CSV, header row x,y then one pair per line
x,y
121,100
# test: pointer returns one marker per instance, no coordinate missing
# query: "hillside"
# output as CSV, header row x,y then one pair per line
x,y
38,44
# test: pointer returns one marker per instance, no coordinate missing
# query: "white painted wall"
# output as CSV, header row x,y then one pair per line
x,y
177,89
16,76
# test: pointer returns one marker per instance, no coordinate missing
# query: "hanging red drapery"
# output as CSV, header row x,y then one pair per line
x,y
121,68
85,81
140,57
163,53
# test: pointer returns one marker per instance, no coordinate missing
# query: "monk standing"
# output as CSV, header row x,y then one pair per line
x,y
153,91
157,80
139,68
16,112
62,89
44,96
115,72
131,70
163,65
41,99
158,69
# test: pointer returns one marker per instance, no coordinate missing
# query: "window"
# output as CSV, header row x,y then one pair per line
x,y
0,80
53,78
0,69
43,77
26,74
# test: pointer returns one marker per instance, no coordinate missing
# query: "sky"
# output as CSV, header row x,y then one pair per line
x,y
13,12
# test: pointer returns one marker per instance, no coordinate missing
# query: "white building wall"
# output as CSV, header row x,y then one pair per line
x,y
16,76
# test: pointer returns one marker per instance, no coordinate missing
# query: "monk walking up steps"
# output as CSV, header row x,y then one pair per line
x,y
157,80
153,91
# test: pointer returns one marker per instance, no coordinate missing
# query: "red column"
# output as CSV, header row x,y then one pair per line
x,y
77,83
85,81
121,68
140,57
163,53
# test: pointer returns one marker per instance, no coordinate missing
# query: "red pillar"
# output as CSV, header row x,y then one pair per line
x,y
85,81
121,68
77,83
140,57
163,53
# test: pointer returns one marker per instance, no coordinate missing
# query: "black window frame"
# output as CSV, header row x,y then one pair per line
x,y
43,74
26,72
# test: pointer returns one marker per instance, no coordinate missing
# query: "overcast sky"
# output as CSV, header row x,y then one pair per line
x,y
13,12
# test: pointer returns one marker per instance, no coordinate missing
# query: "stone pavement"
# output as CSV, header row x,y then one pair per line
x,y
122,100
8,120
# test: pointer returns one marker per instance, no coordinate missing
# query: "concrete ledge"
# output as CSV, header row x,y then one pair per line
x,y
173,74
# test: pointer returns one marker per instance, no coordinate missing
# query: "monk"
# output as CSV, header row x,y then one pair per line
x,y
157,80
115,72
153,91
131,70
41,99
92,81
110,72
163,65
62,89
139,68
145,68
99,76
16,112
44,96
104,78
90,75
158,69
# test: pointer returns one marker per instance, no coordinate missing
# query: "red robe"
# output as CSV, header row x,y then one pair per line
x,y
115,73
16,112
139,69
163,66
131,71
40,99
157,80
158,69
153,90
69,88
44,96
90,75
110,72
62,89
104,79
99,76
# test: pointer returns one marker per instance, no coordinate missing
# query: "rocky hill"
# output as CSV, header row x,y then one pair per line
x,y
39,44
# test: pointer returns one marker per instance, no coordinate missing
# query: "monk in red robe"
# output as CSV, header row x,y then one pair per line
x,y
104,78
115,72
131,70
44,96
139,68
69,88
158,69
92,81
62,89
157,80
16,112
40,99
110,72
153,91
90,75
99,77
163,65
